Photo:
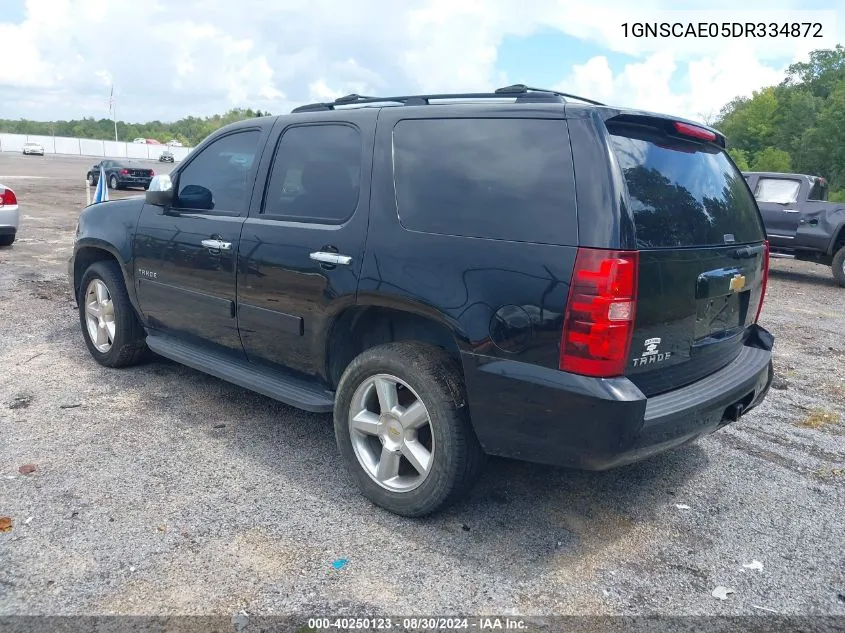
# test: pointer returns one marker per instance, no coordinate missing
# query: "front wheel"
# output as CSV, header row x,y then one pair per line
x,y
403,428
111,329
7,240
838,267
90,180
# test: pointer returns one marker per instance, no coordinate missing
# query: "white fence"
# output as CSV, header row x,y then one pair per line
x,y
89,147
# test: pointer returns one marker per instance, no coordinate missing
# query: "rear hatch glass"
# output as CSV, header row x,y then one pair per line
x,y
701,255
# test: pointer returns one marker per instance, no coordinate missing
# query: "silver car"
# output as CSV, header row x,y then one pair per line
x,y
9,216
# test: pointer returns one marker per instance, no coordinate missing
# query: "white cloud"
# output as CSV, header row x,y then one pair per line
x,y
708,82
170,59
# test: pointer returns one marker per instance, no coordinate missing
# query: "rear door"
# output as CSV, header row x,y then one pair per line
x,y
702,255
778,201
302,246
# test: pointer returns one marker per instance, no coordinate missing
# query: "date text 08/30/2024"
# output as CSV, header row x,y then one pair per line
x,y
482,623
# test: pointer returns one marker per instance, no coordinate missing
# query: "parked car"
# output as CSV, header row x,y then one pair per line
x,y
799,220
33,148
166,157
121,174
9,216
152,141
562,282
140,139
174,143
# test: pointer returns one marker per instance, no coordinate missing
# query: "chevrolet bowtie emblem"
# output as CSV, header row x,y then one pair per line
x,y
737,283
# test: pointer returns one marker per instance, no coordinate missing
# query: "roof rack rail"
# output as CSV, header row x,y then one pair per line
x,y
521,92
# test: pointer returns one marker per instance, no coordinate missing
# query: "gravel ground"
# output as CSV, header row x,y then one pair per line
x,y
160,490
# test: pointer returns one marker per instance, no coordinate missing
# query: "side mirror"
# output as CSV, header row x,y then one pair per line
x,y
196,197
160,191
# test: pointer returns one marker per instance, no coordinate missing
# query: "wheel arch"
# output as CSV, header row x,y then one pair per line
x,y
92,251
838,240
361,327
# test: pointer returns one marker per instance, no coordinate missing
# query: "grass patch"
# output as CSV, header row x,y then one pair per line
x,y
827,474
818,418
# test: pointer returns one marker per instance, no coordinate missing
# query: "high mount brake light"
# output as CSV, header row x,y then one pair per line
x,y
599,319
694,131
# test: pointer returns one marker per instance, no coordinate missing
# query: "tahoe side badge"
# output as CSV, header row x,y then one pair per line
x,y
651,353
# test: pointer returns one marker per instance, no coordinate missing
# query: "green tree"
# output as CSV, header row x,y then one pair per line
x,y
772,159
740,157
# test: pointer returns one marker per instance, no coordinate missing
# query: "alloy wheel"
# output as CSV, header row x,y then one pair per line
x,y
391,434
99,315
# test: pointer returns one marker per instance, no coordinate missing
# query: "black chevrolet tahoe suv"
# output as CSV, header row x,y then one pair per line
x,y
799,220
515,273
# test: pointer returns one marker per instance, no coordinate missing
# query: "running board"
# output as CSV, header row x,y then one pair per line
x,y
775,255
293,391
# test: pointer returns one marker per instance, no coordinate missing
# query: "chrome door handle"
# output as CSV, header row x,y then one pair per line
x,y
217,245
792,210
331,258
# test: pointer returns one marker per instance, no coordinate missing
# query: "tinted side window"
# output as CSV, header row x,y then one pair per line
x,y
221,168
819,190
316,174
508,179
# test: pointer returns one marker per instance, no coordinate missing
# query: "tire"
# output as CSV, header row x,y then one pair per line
x,y
838,267
90,180
127,342
113,182
7,240
455,457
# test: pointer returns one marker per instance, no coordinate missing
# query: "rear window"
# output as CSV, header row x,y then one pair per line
x,y
777,190
683,193
507,179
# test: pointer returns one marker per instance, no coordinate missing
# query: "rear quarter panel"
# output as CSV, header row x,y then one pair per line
x,y
500,298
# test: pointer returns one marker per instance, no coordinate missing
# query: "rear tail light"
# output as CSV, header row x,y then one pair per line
x,y
599,320
124,172
765,280
7,197
694,131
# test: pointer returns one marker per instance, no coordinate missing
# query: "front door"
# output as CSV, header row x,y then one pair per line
x,y
301,250
185,256
778,202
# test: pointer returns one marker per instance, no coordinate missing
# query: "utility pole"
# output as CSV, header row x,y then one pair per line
x,y
113,109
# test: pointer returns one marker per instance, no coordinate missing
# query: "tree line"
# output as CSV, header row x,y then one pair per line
x,y
796,126
188,131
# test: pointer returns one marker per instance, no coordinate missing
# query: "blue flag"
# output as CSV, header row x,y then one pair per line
x,y
101,193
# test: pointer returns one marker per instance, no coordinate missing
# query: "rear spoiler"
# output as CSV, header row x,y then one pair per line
x,y
681,128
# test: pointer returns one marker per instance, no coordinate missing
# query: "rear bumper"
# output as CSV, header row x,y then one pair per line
x,y
9,220
132,181
548,416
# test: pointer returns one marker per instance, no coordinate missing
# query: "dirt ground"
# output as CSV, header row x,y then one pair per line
x,y
160,490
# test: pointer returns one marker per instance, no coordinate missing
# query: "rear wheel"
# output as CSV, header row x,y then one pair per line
x,y
7,240
113,182
838,267
403,429
111,328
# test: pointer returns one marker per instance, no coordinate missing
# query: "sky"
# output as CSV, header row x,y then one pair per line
x,y
168,59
